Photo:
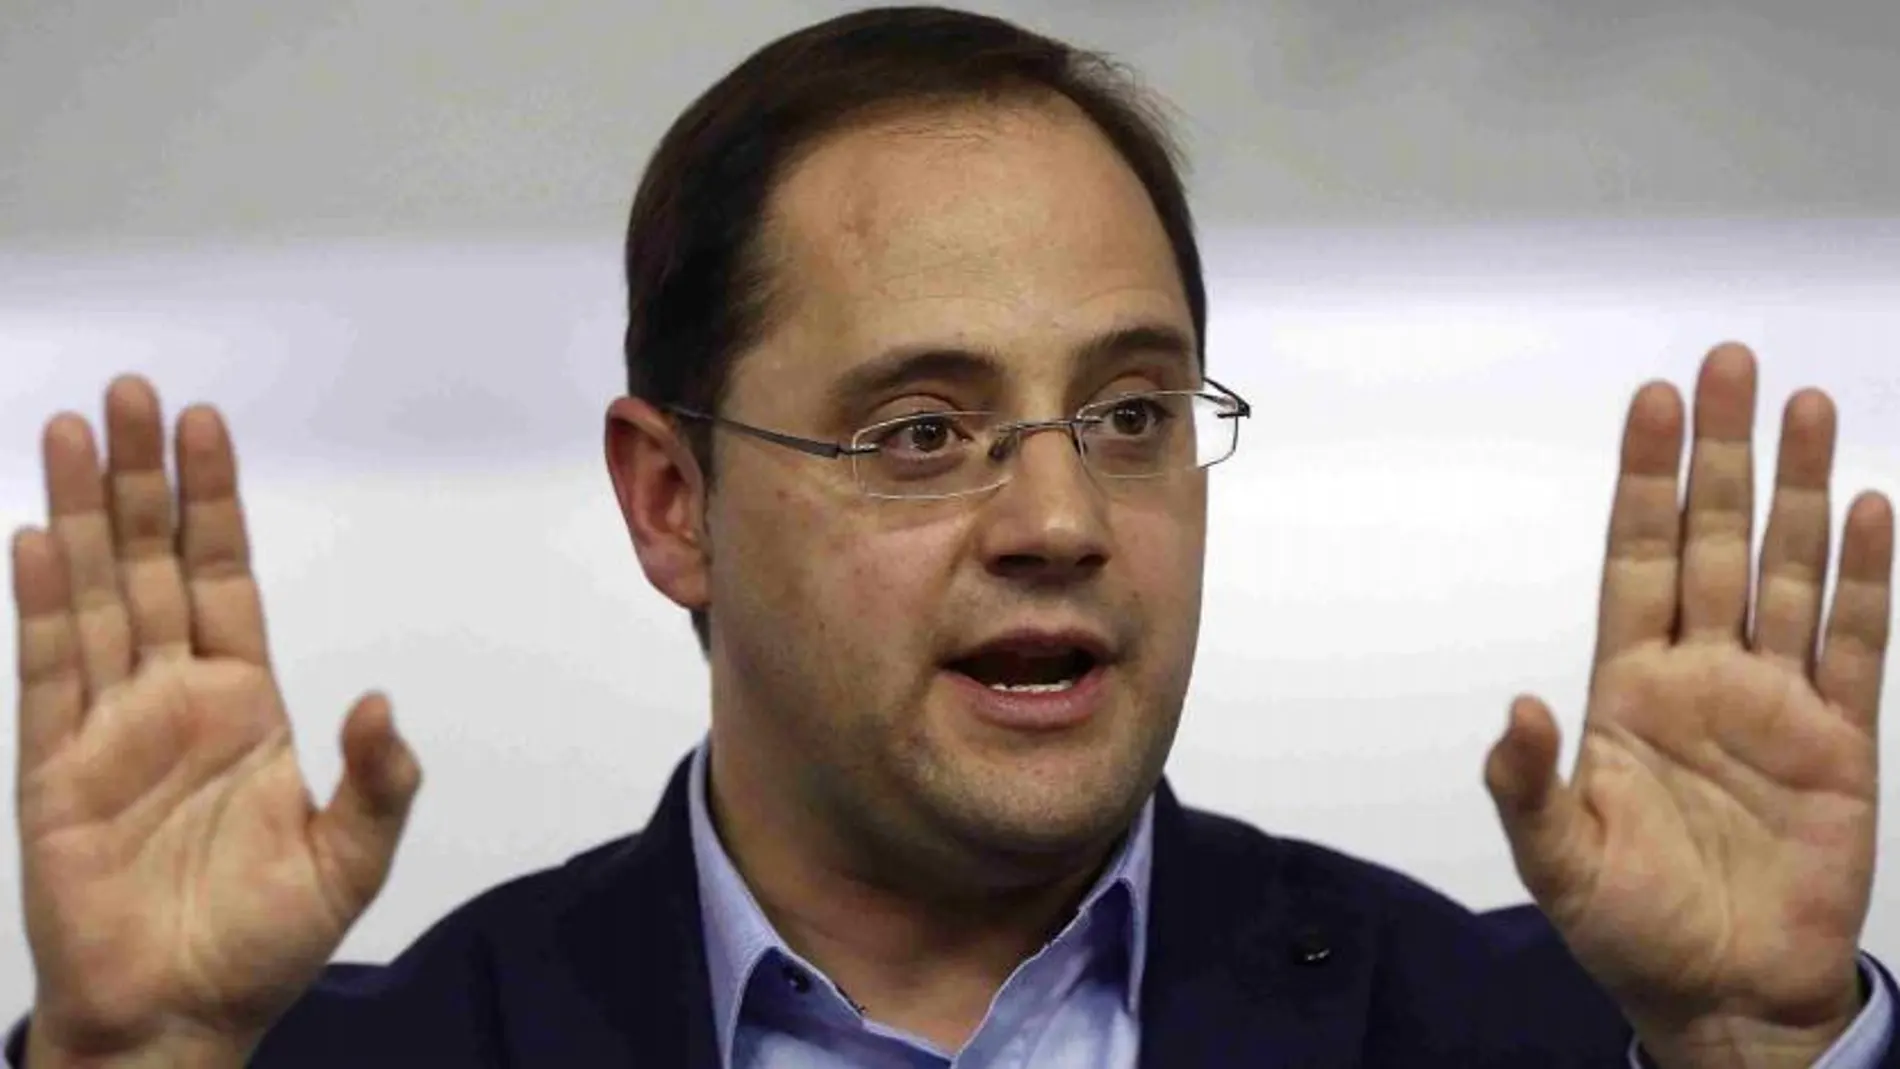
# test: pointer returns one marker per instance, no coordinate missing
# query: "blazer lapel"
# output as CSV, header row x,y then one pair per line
x,y
632,942
1253,960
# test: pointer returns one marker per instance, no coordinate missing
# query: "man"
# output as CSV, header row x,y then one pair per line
x,y
919,432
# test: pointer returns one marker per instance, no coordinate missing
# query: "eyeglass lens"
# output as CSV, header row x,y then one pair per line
x,y
1139,436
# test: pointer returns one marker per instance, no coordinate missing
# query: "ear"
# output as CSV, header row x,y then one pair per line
x,y
662,495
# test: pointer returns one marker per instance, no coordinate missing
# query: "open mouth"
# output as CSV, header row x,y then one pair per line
x,y
1018,670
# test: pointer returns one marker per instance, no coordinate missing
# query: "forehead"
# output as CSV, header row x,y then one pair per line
x,y
1013,229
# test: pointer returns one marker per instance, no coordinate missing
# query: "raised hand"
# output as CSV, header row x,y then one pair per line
x,y
181,887
1711,860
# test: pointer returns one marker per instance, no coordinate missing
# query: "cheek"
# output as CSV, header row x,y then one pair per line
x,y
824,576
885,586
1162,555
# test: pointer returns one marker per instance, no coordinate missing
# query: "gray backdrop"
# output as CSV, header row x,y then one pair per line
x,y
1445,242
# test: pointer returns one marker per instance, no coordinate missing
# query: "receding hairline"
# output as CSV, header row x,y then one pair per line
x,y
924,116
942,113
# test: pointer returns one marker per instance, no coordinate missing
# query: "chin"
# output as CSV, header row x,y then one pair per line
x,y
1047,801
1031,792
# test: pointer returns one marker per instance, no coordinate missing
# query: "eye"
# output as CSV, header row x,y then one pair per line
x,y
920,436
1133,417
926,435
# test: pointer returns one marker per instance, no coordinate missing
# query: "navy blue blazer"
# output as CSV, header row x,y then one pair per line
x,y
1263,952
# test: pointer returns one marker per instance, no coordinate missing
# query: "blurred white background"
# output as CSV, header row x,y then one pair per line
x,y
1446,242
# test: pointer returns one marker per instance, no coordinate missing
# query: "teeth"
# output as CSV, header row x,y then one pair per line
x,y
1033,688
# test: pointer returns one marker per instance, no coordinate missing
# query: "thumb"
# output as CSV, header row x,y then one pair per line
x,y
1543,818
358,831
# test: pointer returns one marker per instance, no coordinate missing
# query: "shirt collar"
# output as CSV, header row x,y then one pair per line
x,y
738,936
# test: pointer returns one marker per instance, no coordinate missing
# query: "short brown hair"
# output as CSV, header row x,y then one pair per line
x,y
697,282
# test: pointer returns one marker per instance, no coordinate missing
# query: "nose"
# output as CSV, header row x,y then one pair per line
x,y
1048,525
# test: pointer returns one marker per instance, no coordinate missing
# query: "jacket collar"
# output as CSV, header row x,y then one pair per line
x,y
632,940
1255,957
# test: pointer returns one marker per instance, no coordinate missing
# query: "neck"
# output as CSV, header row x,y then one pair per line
x,y
929,963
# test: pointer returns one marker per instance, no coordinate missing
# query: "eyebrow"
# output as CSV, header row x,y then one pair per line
x,y
908,364
1155,339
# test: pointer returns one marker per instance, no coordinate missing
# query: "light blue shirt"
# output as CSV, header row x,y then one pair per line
x,y
1075,1004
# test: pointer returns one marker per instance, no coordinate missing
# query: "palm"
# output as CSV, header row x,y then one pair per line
x,y
178,876
180,862
1712,857
1737,815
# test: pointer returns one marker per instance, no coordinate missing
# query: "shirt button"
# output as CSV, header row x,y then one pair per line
x,y
796,977
1310,946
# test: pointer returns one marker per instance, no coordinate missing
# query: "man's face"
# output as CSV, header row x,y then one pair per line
x,y
859,643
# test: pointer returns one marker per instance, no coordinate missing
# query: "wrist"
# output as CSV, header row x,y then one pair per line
x,y
1742,1040
1740,1043
203,1051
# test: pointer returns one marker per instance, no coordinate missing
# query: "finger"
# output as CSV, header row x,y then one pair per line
x,y
1640,565
51,674
1854,652
358,831
227,611
1719,514
1542,817
143,530
76,507
1794,550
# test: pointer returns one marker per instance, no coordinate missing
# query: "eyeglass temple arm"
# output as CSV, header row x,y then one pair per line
x,y
1241,407
828,450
